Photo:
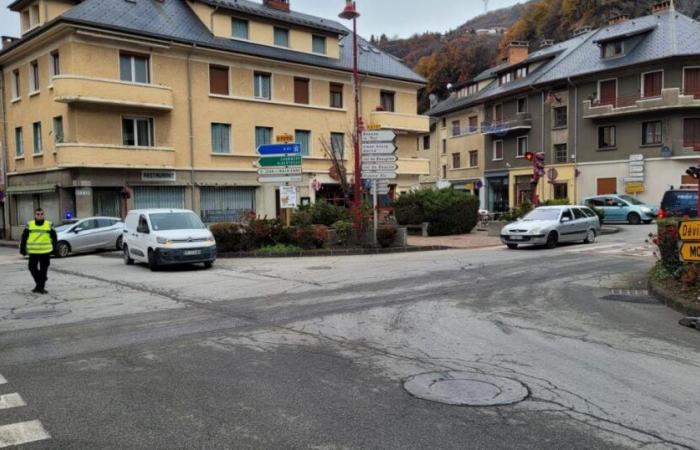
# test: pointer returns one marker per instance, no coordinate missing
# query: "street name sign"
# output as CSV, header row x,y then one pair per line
x,y
690,252
689,230
378,136
279,149
280,161
369,159
378,148
280,179
379,175
280,171
378,167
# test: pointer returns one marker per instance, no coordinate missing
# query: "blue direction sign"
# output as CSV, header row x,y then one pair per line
x,y
279,149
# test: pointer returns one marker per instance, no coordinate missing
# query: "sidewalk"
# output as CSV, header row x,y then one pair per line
x,y
477,239
11,244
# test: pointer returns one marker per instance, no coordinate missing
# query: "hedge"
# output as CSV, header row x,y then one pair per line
x,y
446,210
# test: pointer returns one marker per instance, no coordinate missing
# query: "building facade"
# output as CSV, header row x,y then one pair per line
x,y
116,105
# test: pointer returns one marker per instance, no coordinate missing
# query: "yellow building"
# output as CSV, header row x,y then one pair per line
x,y
165,102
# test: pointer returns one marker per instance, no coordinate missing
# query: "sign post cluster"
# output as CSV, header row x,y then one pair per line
x,y
379,164
281,164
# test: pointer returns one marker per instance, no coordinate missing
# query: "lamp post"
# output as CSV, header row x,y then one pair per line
x,y
350,13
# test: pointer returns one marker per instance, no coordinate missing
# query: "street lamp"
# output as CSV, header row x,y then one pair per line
x,y
350,13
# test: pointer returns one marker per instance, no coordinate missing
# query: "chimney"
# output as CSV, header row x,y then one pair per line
x,y
614,20
664,5
517,51
279,5
7,41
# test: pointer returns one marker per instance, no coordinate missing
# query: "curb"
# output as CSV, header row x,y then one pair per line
x,y
335,252
664,297
9,244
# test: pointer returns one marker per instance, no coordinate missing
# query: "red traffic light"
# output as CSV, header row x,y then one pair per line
x,y
529,156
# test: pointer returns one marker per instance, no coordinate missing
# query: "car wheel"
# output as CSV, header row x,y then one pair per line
x,y
152,261
127,259
120,242
62,249
552,240
590,237
634,219
208,264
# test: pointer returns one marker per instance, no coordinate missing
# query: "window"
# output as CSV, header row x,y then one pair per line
x,y
134,68
55,64
303,138
521,72
444,122
444,171
691,81
318,44
262,82
301,91
607,92
137,131
386,100
444,146
578,214
336,95
281,37
474,158
606,137
505,78
19,142
652,83
218,80
611,49
34,76
522,105
498,113
263,136
58,130
338,144
521,147
456,128
691,133
220,138
561,154
560,117
36,131
239,28
456,161
426,142
16,87
605,186
473,124
651,133
497,150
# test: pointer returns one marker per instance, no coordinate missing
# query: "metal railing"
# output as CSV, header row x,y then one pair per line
x,y
507,123
623,101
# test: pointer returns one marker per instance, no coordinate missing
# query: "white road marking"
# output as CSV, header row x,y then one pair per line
x,y
8,401
2,380
22,433
592,248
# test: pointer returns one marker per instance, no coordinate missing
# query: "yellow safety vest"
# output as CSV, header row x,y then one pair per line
x,y
39,240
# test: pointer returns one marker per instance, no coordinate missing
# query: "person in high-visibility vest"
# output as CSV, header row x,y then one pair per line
x,y
39,242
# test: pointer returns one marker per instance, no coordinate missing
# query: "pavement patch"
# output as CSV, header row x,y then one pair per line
x,y
466,389
630,296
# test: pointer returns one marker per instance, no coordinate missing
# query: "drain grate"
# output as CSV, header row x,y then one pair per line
x,y
630,296
466,389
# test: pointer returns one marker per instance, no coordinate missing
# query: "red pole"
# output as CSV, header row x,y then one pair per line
x,y
698,196
356,139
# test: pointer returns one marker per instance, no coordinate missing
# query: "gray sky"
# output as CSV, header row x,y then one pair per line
x,y
378,16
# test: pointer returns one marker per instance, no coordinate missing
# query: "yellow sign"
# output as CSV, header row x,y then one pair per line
x,y
285,138
374,126
689,230
690,252
634,188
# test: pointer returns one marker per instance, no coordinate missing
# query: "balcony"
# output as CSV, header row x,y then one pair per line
x,y
117,156
77,89
521,121
672,98
402,122
413,166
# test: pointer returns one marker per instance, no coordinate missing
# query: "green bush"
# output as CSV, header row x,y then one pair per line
x,y
343,231
309,237
323,213
230,237
556,202
667,241
302,218
386,236
518,212
280,249
448,211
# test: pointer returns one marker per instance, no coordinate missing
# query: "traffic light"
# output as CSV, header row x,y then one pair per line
x,y
693,172
530,156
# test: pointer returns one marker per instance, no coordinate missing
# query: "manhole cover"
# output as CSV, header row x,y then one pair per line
x,y
466,389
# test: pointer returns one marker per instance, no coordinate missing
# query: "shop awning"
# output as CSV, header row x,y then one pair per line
x,y
32,189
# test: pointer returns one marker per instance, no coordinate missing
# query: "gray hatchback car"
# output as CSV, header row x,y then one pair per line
x,y
550,225
90,234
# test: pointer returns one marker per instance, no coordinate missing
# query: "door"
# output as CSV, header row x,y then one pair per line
x,y
86,236
691,82
107,233
608,92
567,228
139,239
606,186
614,209
581,224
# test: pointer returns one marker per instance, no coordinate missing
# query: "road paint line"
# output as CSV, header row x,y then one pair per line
x,y
8,401
593,248
22,433
2,380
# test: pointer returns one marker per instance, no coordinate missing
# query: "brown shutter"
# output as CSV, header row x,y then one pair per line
x,y
608,92
691,133
607,186
336,95
301,91
218,80
691,83
652,84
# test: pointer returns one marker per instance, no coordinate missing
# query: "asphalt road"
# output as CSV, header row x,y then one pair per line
x,y
312,353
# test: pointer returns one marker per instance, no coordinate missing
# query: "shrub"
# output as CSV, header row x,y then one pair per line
x,y
386,236
556,202
599,212
343,230
323,213
518,212
448,211
308,237
280,249
230,237
302,218
667,241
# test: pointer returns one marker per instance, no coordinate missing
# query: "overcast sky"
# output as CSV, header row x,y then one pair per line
x,y
391,17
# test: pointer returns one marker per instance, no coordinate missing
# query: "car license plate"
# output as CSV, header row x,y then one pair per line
x,y
516,238
192,252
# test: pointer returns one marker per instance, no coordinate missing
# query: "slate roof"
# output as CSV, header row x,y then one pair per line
x,y
173,20
649,38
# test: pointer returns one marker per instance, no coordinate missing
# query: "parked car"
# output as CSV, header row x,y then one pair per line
x,y
679,203
623,209
550,225
89,235
161,237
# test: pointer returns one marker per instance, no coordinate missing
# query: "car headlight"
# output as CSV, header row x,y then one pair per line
x,y
164,241
645,210
534,231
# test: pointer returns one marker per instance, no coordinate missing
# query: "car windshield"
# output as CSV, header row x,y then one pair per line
x,y
543,214
176,221
631,200
681,200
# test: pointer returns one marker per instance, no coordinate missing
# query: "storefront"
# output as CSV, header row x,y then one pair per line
x,y
497,192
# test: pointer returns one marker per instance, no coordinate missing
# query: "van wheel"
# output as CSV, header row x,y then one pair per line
x,y
634,219
552,240
63,249
127,258
152,261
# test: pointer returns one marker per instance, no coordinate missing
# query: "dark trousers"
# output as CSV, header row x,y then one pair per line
x,y
39,267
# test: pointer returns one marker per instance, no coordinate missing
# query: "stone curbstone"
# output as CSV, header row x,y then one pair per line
x,y
335,252
669,300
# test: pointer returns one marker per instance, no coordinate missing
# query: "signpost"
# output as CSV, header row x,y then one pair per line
x,y
281,163
379,164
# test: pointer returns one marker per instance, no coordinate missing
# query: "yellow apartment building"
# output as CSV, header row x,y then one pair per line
x,y
114,105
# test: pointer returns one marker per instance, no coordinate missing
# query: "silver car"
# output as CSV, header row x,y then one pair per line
x,y
91,234
550,225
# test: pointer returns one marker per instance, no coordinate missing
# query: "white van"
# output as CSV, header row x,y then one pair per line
x,y
167,236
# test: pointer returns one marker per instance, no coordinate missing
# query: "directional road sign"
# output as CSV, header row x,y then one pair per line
x,y
690,252
296,170
378,148
689,230
378,136
279,149
281,179
379,175
378,167
369,159
280,161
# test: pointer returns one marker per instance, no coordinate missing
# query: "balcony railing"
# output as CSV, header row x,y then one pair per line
x,y
79,89
398,121
101,155
521,121
671,98
456,132
691,144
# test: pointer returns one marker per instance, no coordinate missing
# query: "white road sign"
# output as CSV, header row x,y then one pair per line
x,y
288,197
369,159
378,148
378,136
636,157
280,171
636,169
281,179
379,175
379,167
632,179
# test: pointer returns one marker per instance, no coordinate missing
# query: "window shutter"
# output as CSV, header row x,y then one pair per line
x,y
301,91
608,92
691,133
652,84
692,82
218,80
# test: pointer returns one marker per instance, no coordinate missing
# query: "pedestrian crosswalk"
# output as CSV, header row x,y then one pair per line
x,y
617,249
18,433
